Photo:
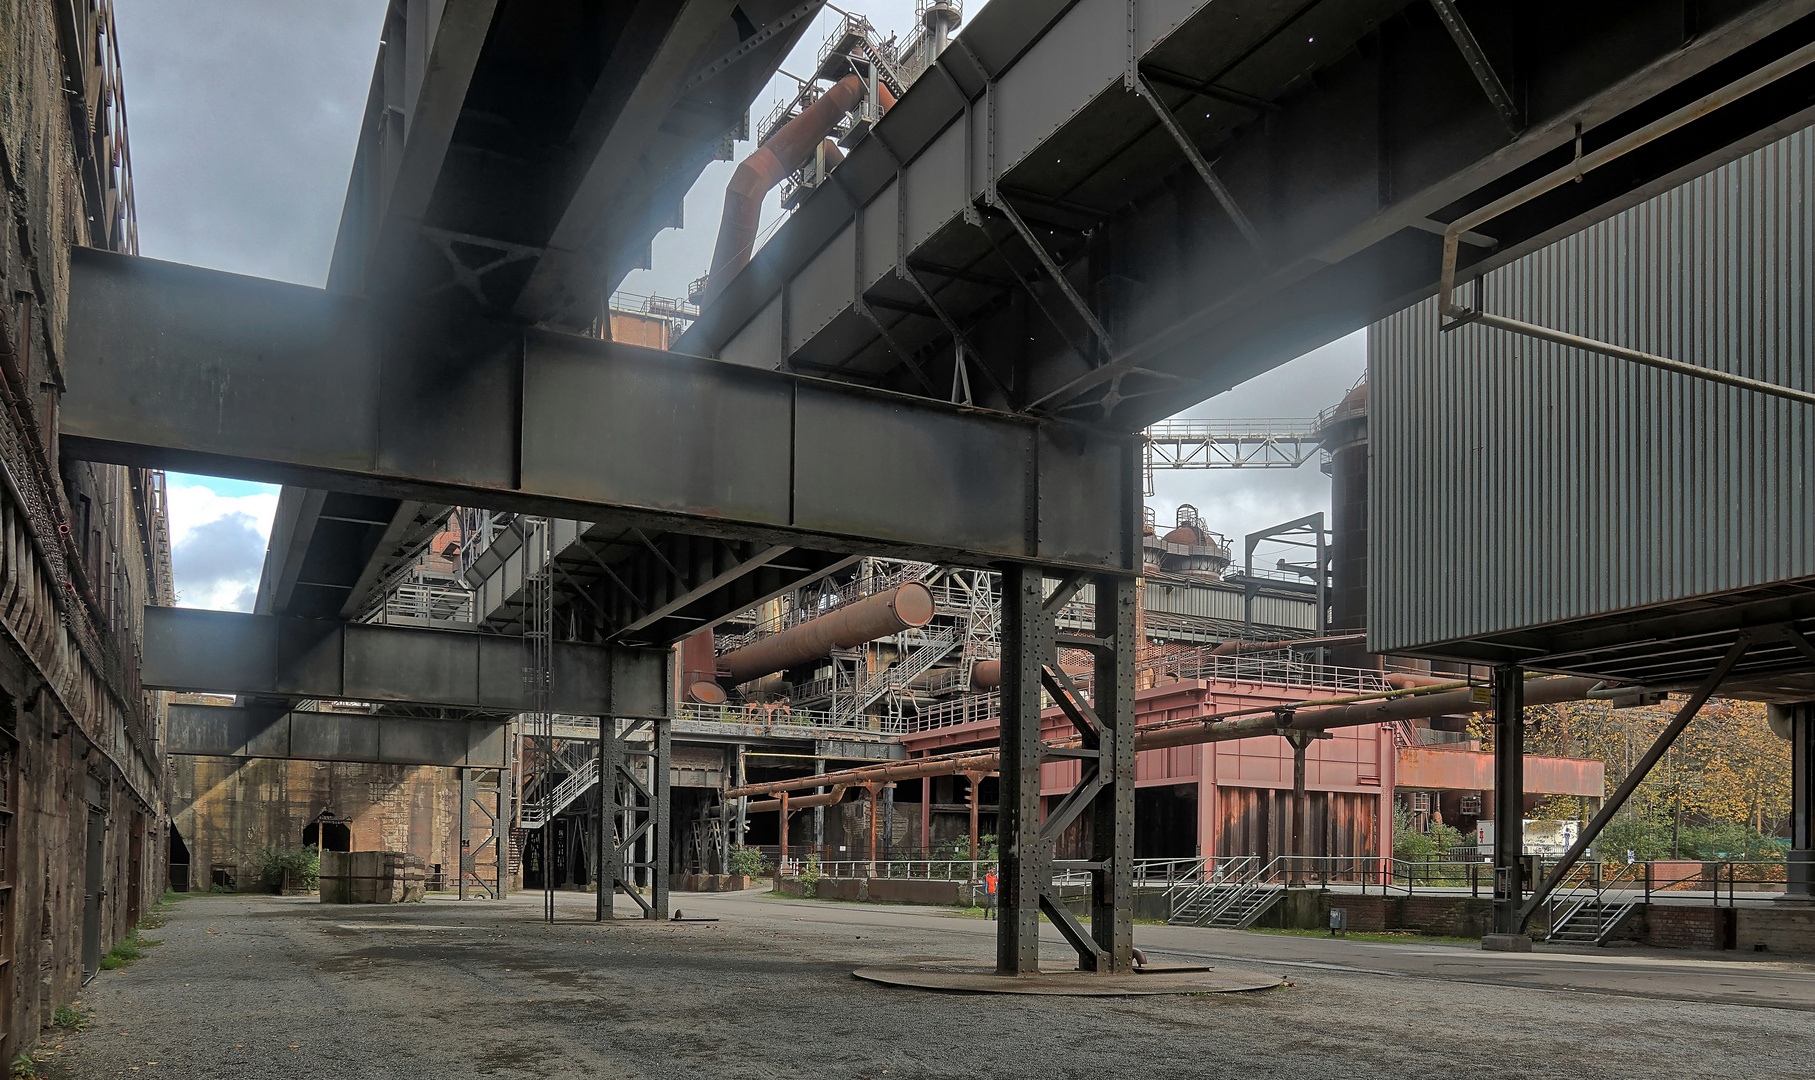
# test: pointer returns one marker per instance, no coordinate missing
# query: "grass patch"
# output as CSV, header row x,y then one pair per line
x,y
125,952
69,1018
1385,937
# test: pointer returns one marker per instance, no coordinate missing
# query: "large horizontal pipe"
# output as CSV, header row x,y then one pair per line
x,y
944,764
890,612
804,802
1306,716
1357,713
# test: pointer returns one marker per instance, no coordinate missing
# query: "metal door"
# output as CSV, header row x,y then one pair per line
x,y
93,892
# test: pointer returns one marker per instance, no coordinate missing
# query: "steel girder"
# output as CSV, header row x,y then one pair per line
x,y
234,731
1067,230
521,155
175,367
517,158
635,588
273,657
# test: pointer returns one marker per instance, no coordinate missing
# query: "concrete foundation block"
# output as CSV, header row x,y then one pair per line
x,y
1506,943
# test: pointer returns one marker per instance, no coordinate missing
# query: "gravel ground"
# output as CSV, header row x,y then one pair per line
x,y
287,987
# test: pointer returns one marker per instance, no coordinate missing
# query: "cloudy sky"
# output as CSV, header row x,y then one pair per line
x,y
243,117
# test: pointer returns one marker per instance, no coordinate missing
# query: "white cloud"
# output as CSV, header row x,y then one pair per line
x,y
218,543
192,506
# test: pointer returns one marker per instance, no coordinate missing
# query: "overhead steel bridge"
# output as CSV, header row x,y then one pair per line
x,y
1088,215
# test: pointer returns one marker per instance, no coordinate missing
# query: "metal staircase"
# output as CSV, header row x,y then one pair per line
x,y
1238,893
577,783
1588,909
898,675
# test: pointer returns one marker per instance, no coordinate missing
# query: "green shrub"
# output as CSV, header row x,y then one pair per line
x,y
748,862
302,866
809,872
25,1066
69,1018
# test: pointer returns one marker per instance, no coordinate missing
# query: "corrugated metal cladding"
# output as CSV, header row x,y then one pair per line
x,y
1520,484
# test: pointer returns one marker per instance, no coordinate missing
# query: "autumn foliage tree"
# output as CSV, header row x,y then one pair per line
x,y
1727,768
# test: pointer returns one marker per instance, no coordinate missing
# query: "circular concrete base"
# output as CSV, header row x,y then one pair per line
x,y
968,977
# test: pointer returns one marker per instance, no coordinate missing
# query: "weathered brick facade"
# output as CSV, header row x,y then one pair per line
x,y
83,548
228,809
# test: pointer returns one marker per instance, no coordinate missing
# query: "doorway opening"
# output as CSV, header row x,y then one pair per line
x,y
328,835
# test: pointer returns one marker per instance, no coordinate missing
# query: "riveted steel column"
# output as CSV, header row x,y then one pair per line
x,y
1509,797
603,881
1112,832
466,828
662,738
611,850
1027,643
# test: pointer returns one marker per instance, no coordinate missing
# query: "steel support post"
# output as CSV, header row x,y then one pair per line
x,y
1026,861
466,828
1300,744
605,873
1509,797
611,850
1112,832
659,862
742,824
1802,802
819,812
888,823
1104,794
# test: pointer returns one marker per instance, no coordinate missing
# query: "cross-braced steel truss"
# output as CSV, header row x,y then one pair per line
x,y
1103,797
633,815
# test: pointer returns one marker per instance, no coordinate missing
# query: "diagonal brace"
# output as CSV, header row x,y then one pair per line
x,y
1640,770
1204,172
1000,202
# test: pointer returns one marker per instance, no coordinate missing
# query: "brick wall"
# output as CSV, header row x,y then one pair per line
x,y
1446,915
1672,927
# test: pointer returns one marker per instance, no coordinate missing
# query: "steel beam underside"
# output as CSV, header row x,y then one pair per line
x,y
1347,132
1669,647
471,180
235,731
170,366
268,656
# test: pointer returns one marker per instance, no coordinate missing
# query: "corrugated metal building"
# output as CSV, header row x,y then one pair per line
x,y
1540,505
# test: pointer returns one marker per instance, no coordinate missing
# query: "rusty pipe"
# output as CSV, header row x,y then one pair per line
x,y
1410,680
986,674
974,760
699,669
900,608
1301,716
804,802
1306,716
779,155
